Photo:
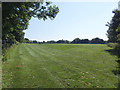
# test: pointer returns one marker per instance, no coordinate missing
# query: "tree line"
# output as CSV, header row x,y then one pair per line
x,y
75,41
16,16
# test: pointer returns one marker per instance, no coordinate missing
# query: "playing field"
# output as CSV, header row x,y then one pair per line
x,y
59,66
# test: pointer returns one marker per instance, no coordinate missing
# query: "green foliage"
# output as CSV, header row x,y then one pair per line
x,y
16,43
4,58
63,41
118,31
51,42
34,41
113,32
87,41
97,41
114,27
112,45
26,40
16,16
76,40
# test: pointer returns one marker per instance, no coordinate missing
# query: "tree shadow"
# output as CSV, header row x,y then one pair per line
x,y
116,71
114,52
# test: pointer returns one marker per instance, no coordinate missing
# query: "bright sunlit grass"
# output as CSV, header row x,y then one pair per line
x,y
59,66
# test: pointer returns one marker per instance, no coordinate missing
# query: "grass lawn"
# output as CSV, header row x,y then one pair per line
x,y
59,66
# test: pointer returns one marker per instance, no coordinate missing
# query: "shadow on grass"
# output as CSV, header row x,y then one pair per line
x,y
114,52
116,71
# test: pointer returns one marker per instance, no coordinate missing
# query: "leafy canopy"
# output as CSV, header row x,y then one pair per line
x,y
16,16
113,32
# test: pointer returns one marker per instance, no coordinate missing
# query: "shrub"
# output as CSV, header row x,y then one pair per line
x,y
112,45
4,58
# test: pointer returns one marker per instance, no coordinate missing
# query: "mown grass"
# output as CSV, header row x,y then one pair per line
x,y
59,66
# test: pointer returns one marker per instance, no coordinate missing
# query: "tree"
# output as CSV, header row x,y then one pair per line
x,y
34,41
67,42
26,40
60,41
43,42
51,42
63,41
76,41
84,41
97,41
113,32
118,31
16,16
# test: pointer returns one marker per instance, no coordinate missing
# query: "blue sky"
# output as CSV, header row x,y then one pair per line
x,y
75,20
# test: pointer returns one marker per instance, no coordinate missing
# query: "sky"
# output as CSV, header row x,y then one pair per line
x,y
84,20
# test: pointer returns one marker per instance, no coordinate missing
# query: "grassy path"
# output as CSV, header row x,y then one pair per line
x,y
59,66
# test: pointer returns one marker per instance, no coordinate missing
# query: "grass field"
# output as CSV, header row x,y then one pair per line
x,y
59,66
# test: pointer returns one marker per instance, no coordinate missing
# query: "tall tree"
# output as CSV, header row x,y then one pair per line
x,y
113,32
16,16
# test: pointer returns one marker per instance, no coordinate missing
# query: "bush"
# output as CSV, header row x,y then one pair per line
x,y
5,48
112,45
16,42
116,48
4,58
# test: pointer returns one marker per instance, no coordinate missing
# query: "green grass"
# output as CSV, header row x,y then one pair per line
x,y
59,66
